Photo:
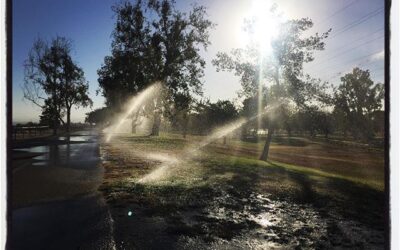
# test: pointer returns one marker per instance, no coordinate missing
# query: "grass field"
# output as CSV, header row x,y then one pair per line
x,y
312,194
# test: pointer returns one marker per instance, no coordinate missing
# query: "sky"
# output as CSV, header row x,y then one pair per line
x,y
357,39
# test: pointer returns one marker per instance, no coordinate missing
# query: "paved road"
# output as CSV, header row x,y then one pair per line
x,y
60,183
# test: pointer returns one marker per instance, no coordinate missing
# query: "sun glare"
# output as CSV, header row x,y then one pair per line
x,y
265,26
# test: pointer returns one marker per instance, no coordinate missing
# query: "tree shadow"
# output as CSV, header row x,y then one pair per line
x,y
225,208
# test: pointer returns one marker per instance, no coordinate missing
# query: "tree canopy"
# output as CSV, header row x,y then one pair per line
x,y
153,41
358,99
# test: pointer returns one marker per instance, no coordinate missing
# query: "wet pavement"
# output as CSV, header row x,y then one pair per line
x,y
82,223
55,198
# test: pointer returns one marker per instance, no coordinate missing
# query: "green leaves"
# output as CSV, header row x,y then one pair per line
x,y
154,41
358,99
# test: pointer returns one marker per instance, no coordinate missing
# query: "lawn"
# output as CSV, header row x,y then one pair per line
x,y
164,194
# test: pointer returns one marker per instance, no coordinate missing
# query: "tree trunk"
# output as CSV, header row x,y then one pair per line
x,y
68,119
265,152
155,130
185,125
224,140
55,119
133,128
55,126
184,130
184,133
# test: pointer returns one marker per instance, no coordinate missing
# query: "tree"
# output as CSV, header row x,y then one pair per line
x,y
325,123
358,98
378,120
50,115
222,112
98,116
282,69
340,121
313,120
283,117
74,90
198,118
153,41
125,72
54,82
249,110
179,113
205,115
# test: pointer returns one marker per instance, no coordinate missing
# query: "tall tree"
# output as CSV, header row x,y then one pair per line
x,y
54,82
205,115
125,72
153,41
359,98
75,89
282,69
221,112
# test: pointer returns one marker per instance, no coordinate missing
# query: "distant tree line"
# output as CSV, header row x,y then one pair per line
x,y
165,44
354,109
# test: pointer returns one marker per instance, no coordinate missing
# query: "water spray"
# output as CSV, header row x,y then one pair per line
x,y
133,105
191,152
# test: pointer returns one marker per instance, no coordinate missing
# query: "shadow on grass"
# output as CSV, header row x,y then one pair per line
x,y
226,202
350,200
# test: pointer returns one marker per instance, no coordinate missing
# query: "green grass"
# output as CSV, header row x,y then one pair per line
x,y
215,194
370,176
249,163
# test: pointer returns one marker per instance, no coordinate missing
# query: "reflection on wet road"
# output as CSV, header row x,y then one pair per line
x,y
76,151
55,198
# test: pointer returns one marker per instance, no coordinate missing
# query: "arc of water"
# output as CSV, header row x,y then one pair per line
x,y
189,153
229,128
134,104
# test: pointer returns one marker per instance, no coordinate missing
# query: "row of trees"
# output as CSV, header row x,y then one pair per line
x,y
352,109
166,47
153,41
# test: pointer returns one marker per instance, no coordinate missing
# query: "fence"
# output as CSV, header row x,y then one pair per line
x,y
28,132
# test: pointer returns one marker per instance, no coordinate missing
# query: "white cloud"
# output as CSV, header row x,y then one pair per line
x,y
378,56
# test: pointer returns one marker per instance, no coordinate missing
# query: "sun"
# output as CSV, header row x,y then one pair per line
x,y
265,24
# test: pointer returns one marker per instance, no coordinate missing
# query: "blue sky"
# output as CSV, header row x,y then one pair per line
x,y
357,39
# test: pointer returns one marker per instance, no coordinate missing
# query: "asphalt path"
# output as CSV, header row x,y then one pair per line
x,y
78,220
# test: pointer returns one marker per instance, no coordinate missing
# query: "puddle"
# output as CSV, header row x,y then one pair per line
x,y
254,222
75,155
80,138
36,149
